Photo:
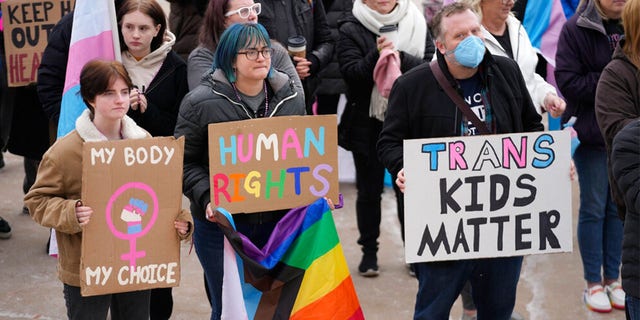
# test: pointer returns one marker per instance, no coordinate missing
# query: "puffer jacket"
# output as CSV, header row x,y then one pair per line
x,y
215,101
617,104
625,161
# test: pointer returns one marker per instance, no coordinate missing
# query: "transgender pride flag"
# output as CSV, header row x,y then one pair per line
x,y
543,21
94,35
301,272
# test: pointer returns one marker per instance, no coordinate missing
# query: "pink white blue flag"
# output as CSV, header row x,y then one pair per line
x,y
94,36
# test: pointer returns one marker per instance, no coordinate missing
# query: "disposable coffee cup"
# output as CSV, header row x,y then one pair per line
x,y
390,32
297,46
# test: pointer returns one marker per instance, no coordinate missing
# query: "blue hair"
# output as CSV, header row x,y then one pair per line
x,y
237,37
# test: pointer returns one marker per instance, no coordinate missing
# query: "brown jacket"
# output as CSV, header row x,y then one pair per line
x,y
53,197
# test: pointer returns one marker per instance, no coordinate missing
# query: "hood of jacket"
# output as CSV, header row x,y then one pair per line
x,y
590,18
143,71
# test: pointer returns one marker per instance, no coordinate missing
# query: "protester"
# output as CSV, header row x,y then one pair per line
x,y
331,85
219,16
419,108
585,46
159,75
359,50
287,18
504,35
618,106
625,161
242,85
54,200
185,19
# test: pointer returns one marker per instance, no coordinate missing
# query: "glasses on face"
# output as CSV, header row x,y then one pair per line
x,y
252,54
245,12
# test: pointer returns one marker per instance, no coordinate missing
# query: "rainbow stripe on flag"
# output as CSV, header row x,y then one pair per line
x,y
301,272
94,35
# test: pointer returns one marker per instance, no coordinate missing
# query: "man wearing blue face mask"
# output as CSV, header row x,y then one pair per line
x,y
493,89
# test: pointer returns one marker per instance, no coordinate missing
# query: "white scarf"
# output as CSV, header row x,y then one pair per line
x,y
412,34
412,27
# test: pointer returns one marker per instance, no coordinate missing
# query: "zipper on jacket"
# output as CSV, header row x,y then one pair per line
x,y
233,102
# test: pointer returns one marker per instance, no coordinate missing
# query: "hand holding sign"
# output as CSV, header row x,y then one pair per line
x,y
83,213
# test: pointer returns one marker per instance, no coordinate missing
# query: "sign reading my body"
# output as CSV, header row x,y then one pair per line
x,y
140,155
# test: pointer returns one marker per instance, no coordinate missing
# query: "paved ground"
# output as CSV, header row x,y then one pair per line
x,y
550,285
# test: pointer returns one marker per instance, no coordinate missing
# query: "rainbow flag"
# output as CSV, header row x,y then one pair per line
x,y
301,272
94,35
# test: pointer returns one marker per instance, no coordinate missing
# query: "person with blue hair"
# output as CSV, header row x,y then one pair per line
x,y
241,85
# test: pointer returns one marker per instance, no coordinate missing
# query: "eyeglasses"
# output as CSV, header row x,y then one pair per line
x,y
252,54
244,12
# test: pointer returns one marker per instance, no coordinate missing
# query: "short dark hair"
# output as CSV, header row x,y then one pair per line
x,y
149,7
446,11
97,76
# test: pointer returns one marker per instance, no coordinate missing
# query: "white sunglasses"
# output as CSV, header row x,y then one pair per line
x,y
244,12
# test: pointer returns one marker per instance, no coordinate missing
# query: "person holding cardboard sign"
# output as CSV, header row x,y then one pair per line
x,y
465,91
159,76
54,200
242,85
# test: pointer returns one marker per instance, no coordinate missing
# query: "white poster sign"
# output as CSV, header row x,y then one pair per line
x,y
487,196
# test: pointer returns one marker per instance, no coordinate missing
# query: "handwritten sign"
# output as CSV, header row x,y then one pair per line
x,y
135,190
487,196
27,25
273,163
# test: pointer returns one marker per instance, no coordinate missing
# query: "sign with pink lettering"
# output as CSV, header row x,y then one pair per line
x,y
487,196
273,163
135,190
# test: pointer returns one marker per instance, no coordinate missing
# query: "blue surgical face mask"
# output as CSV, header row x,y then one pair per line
x,y
470,51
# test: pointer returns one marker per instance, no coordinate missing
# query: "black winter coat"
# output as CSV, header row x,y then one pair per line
x,y
310,21
331,81
164,96
53,67
625,160
419,108
358,55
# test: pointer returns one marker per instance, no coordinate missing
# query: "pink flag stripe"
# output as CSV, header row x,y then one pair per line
x,y
84,50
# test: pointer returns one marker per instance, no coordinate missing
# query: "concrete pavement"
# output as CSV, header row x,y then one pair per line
x,y
550,286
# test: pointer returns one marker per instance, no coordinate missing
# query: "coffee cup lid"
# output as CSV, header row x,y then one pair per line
x,y
388,28
297,41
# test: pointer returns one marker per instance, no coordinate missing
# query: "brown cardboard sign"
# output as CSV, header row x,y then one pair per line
x,y
27,25
135,190
273,163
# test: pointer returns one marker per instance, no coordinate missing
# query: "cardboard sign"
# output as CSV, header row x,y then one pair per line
x,y
487,196
135,190
273,163
27,24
